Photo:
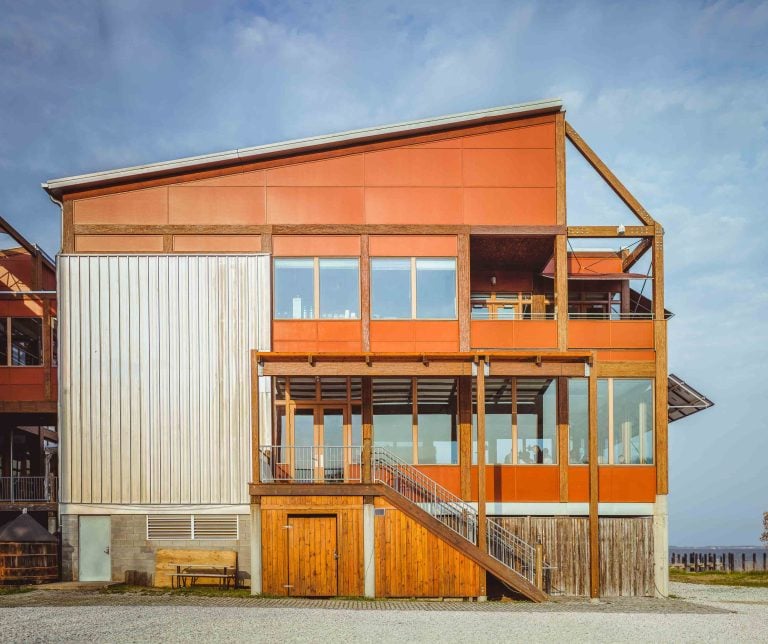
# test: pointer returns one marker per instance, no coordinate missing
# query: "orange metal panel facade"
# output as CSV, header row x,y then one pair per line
x,y
610,334
119,243
395,336
316,245
217,243
317,335
513,334
413,246
216,205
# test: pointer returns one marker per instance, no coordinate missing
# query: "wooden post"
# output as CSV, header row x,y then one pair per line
x,y
561,290
47,350
365,291
367,455
539,566
562,436
482,541
463,294
660,344
465,436
594,535
255,437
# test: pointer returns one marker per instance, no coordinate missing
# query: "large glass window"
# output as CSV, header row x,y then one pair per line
x,y
22,341
625,421
536,421
393,416
339,289
436,401
391,288
294,289
436,288
393,281
520,421
578,421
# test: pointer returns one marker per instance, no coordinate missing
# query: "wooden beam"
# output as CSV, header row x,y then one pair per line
x,y
68,227
610,231
511,231
560,167
561,290
28,407
365,291
562,436
594,535
367,430
266,242
661,394
638,369
167,243
465,437
482,541
255,433
637,252
464,296
47,351
608,176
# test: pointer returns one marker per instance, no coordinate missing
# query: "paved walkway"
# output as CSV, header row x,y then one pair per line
x,y
78,596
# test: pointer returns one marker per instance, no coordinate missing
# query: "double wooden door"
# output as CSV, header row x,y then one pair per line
x,y
312,556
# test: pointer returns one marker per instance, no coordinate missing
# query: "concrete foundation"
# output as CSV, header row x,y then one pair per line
x,y
661,545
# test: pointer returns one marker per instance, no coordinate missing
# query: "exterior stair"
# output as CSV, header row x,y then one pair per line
x,y
508,558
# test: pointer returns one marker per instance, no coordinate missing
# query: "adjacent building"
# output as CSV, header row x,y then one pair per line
x,y
294,351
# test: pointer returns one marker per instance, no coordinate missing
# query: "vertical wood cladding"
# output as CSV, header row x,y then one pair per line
x,y
155,391
412,562
626,552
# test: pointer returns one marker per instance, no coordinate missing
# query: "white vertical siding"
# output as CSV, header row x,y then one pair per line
x,y
155,376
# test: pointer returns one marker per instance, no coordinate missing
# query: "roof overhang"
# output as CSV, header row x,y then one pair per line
x,y
684,400
56,187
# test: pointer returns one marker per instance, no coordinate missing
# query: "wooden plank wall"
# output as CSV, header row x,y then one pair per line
x,y
349,521
626,552
412,562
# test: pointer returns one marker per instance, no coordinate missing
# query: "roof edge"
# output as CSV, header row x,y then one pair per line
x,y
56,186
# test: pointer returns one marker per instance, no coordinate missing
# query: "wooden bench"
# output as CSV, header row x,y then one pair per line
x,y
179,567
224,575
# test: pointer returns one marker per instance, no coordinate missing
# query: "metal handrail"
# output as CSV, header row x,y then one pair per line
x,y
611,316
508,549
28,488
311,464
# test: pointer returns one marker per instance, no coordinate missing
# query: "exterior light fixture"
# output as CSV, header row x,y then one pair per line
x,y
620,229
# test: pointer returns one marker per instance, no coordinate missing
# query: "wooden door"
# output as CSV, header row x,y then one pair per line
x,y
312,556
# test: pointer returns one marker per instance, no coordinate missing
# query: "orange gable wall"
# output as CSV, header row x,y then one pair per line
x,y
501,177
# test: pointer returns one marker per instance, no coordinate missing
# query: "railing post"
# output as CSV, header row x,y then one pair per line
x,y
539,566
13,492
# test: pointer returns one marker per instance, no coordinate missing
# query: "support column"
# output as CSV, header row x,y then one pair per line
x,y
482,541
464,292
465,436
660,345
255,434
369,548
594,535
561,290
256,568
366,458
661,546
563,454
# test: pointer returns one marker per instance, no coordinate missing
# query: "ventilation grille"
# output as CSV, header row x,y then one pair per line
x,y
188,526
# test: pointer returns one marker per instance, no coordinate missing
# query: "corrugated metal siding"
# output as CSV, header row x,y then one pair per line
x,y
155,376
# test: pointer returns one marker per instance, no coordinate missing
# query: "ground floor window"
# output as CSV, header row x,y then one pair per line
x,y
520,421
21,342
625,421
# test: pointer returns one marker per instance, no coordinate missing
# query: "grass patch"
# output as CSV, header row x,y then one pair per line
x,y
14,590
758,579
199,591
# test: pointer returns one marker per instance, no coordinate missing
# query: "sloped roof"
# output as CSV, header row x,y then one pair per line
x,y
24,529
23,242
421,126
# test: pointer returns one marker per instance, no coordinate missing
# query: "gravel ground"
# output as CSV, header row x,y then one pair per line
x,y
734,614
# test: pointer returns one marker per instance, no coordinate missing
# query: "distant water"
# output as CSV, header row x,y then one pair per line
x,y
719,551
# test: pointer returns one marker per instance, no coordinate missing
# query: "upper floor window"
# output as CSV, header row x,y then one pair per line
x,y
310,288
512,306
21,341
594,305
413,288
625,421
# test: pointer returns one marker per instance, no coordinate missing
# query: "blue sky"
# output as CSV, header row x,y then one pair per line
x,y
672,95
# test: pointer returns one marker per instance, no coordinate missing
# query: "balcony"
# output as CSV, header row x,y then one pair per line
x,y
20,489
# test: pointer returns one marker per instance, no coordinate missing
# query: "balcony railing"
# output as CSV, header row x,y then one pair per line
x,y
18,489
611,316
312,464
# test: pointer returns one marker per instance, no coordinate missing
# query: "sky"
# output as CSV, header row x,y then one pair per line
x,y
672,95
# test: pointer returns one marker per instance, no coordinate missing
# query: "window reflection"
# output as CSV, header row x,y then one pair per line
x,y
294,289
436,288
390,288
339,289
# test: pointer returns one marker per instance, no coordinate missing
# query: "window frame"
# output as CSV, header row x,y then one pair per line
x,y
317,317
9,342
414,287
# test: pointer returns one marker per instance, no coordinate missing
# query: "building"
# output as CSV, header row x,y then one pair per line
x,y
28,383
292,351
